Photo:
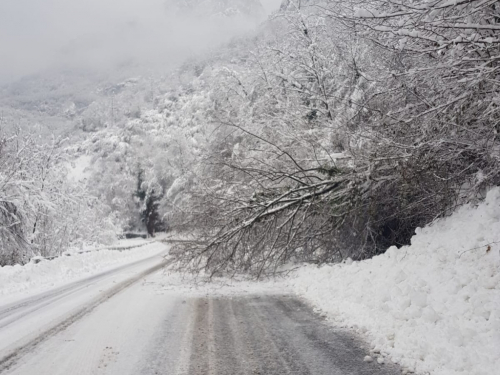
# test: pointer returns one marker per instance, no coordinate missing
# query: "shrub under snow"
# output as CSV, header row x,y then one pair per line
x,y
434,306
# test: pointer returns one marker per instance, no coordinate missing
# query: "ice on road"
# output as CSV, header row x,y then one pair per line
x,y
132,322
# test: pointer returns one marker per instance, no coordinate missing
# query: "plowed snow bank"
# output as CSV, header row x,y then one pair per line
x,y
434,306
32,278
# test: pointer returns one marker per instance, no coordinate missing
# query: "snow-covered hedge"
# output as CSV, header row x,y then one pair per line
x,y
433,306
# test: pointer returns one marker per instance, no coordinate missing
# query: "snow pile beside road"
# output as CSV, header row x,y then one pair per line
x,y
33,278
434,306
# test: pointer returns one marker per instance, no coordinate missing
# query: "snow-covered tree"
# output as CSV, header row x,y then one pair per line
x,y
344,129
42,211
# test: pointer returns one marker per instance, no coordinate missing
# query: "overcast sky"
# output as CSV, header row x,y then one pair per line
x,y
37,34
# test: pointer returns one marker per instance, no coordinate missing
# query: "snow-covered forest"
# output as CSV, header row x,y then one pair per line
x,y
331,132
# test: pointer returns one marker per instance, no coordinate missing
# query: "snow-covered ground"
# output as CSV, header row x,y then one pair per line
x,y
22,281
434,306
169,281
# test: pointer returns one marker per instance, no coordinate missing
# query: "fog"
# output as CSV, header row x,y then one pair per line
x,y
101,34
271,5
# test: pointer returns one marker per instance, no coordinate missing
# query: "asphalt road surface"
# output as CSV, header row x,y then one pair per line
x,y
122,323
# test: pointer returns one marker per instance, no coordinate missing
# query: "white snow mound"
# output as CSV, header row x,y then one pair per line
x,y
434,306
22,281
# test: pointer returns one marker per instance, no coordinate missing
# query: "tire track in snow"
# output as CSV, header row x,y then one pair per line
x,y
14,311
272,335
14,355
11,315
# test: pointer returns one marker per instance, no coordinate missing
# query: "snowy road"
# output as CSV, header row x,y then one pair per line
x,y
122,322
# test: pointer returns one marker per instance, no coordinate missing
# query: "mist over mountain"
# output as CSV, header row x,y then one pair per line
x,y
218,8
105,35
72,69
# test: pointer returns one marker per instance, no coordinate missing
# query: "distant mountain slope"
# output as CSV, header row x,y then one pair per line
x,y
70,101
